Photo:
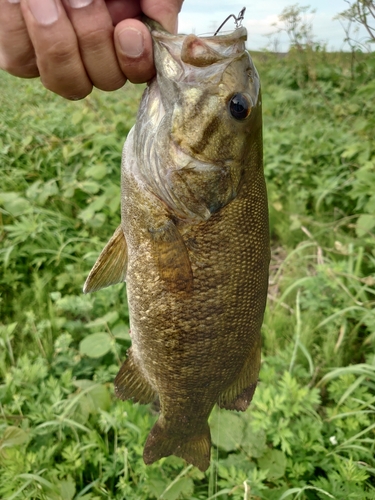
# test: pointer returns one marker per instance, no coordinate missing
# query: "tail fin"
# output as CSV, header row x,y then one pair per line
x,y
195,450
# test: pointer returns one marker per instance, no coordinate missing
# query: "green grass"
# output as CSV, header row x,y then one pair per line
x,y
310,431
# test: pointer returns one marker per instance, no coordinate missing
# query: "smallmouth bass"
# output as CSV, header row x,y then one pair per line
x,y
193,244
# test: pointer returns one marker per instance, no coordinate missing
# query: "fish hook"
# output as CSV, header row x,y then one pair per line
x,y
237,20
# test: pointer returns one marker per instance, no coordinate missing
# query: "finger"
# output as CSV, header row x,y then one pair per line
x,y
133,40
17,55
56,48
121,9
164,12
94,30
134,50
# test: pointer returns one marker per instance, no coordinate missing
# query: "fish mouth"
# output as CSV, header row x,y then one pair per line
x,y
201,51
191,58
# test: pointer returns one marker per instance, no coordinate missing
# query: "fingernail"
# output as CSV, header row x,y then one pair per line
x,y
131,41
78,4
14,1
44,11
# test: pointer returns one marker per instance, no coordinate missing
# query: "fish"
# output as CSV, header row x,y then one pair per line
x,y
193,244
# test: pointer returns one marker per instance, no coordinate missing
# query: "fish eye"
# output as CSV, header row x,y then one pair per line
x,y
240,106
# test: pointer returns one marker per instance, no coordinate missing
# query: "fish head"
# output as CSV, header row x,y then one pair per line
x,y
204,108
211,90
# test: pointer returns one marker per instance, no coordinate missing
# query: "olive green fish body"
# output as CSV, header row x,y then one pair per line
x,y
194,239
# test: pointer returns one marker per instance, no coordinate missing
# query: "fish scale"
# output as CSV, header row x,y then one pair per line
x,y
194,240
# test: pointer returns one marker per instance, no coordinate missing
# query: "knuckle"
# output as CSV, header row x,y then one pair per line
x,y
17,66
111,84
78,93
77,97
67,91
59,52
68,82
135,76
94,39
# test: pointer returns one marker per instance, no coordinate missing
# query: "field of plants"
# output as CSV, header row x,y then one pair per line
x,y
310,431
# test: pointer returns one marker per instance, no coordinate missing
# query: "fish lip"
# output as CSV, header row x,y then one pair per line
x,y
227,38
225,46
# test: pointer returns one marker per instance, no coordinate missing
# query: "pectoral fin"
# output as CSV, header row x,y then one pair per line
x,y
110,268
173,258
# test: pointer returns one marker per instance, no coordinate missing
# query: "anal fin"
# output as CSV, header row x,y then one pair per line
x,y
239,395
111,265
161,443
130,383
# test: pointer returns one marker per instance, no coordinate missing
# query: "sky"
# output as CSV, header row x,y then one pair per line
x,y
200,16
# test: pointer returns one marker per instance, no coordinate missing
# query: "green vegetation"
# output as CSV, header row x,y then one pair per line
x,y
310,431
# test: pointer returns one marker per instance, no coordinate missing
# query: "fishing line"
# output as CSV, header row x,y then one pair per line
x,y
237,20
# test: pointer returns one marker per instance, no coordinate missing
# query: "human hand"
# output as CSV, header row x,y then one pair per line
x,y
74,45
